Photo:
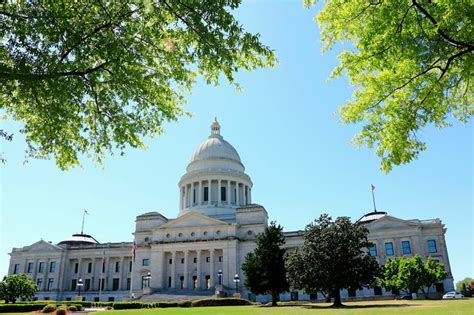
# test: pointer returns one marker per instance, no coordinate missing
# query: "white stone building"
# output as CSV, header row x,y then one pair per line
x,y
204,247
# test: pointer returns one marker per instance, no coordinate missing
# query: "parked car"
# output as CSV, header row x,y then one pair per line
x,y
404,297
453,295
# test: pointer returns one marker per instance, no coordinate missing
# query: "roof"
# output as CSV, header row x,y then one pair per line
x,y
79,239
371,216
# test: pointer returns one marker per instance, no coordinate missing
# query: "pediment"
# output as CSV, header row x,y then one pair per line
x,y
192,219
389,222
42,247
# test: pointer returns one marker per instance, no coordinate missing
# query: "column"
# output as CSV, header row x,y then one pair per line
x,y
237,195
208,191
180,198
45,275
186,196
186,269
123,279
211,269
219,197
250,195
106,274
192,194
198,272
200,193
227,192
93,275
173,270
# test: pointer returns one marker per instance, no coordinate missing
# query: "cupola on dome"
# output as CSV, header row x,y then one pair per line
x,y
215,147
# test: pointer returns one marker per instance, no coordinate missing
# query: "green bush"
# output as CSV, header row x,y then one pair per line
x,y
21,307
72,308
78,307
184,304
62,310
49,308
128,305
221,302
165,304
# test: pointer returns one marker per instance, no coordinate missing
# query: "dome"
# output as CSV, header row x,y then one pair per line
x,y
215,147
80,239
372,216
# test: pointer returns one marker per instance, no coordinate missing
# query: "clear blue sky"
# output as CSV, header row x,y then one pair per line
x,y
285,127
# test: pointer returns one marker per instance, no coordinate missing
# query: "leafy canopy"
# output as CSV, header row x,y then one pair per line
x,y
16,286
412,64
94,77
412,273
465,284
334,256
264,268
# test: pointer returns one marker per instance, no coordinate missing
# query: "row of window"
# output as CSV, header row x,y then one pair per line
x,y
223,194
406,248
89,267
101,284
31,267
192,234
49,287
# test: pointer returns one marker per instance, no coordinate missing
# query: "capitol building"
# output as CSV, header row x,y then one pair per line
x,y
201,251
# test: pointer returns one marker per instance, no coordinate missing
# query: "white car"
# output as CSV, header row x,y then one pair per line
x,y
453,295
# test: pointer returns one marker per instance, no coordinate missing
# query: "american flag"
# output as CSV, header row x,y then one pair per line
x,y
373,187
134,250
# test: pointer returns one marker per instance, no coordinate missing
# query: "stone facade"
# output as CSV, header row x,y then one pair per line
x,y
201,250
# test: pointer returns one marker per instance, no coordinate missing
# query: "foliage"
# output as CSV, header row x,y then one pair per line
x,y
412,273
16,286
92,77
21,307
411,63
72,308
62,310
264,268
129,305
465,284
184,304
49,308
334,256
221,302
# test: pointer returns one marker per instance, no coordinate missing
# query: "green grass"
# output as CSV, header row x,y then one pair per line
x,y
450,307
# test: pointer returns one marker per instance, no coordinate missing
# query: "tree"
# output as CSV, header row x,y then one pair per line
x,y
412,64
264,268
334,256
467,284
412,274
94,77
16,286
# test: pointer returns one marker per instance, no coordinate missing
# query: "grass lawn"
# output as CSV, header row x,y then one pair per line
x,y
439,307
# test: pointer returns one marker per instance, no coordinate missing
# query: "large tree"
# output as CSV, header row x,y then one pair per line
x,y
94,77
264,268
412,64
16,286
334,256
412,274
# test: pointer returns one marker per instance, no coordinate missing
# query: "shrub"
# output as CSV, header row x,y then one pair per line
x,y
108,308
72,308
21,307
49,308
166,304
184,304
221,302
62,310
78,307
128,305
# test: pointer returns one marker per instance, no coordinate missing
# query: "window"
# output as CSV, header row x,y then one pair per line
x,y
111,299
249,232
389,249
208,259
103,266
195,260
406,247
115,284
377,290
218,232
76,267
171,261
73,284
432,246
102,284
96,299
192,234
169,282
41,267
16,268
50,284
87,285
195,282
145,282
129,283
69,299
205,233
89,267
206,193
294,296
221,258
146,262
130,265
223,193
194,196
180,234
39,284
181,282
117,266
52,266
30,267
208,281
182,260
373,250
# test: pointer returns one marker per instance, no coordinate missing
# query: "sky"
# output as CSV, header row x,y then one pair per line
x,y
284,125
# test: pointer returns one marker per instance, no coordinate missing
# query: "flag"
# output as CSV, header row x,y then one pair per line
x,y
373,187
85,212
134,249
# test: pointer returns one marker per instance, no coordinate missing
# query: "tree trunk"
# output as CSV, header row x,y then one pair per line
x,y
337,298
274,298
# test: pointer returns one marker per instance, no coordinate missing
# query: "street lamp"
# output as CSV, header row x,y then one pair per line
x,y
79,285
236,280
219,275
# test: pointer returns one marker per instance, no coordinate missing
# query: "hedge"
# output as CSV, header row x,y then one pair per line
x,y
221,302
21,307
129,305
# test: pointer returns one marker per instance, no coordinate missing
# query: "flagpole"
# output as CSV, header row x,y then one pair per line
x,y
83,216
373,197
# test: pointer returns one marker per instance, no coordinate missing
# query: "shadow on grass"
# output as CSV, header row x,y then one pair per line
x,y
312,306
